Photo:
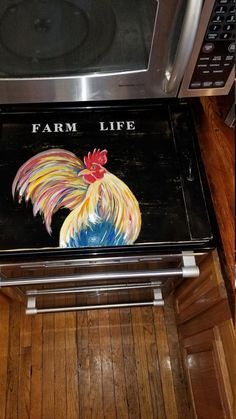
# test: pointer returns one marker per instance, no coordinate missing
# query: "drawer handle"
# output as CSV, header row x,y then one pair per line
x,y
32,309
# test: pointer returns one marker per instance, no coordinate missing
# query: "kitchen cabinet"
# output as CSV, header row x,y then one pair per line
x,y
208,341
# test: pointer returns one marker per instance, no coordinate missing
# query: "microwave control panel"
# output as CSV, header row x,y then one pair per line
x,y
216,58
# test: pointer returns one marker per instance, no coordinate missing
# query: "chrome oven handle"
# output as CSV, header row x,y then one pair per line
x,y
174,74
185,271
32,307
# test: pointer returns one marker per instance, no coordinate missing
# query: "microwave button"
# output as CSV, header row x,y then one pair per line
x,y
228,28
204,59
223,1
215,28
232,10
217,58
207,84
230,19
219,83
195,84
218,19
212,36
220,71
229,58
225,36
208,48
204,72
232,48
221,10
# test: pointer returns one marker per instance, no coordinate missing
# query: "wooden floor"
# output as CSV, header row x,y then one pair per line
x,y
120,364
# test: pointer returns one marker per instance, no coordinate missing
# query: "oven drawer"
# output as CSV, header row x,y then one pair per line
x,y
78,285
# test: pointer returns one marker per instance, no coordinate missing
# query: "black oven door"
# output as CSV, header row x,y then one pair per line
x,y
100,205
101,180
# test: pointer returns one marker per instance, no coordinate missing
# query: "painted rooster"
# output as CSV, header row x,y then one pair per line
x,y
104,211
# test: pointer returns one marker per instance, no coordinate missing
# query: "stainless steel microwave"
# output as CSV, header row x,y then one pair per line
x,y
95,50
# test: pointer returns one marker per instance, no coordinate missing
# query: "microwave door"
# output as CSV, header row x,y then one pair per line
x,y
85,50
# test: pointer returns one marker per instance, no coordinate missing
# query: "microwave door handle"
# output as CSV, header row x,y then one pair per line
x,y
175,73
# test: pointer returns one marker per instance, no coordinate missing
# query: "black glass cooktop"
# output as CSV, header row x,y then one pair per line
x,y
88,180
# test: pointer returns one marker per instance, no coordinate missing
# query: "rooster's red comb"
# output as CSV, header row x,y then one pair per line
x,y
96,156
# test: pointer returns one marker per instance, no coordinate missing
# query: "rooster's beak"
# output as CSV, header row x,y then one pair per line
x,y
84,172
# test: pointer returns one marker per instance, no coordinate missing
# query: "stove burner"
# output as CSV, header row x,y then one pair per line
x,y
59,36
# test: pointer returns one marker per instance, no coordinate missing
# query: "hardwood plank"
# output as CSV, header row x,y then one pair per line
x,y
60,366
37,368
13,363
153,366
130,365
48,398
96,392
165,364
118,365
4,347
142,366
26,329
24,366
180,385
109,407
84,364
72,374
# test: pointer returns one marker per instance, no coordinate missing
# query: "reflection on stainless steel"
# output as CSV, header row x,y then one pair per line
x,y
175,74
97,288
104,261
96,277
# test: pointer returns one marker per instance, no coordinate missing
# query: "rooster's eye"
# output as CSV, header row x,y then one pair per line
x,y
93,167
